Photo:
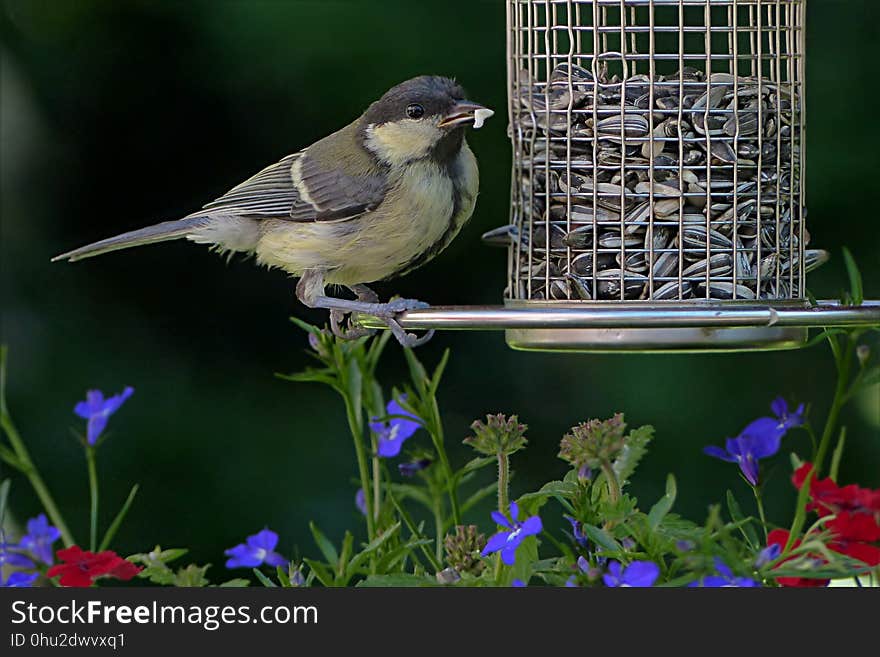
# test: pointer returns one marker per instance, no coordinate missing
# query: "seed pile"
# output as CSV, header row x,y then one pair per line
x,y
681,187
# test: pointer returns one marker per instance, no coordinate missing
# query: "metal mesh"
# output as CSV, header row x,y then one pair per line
x,y
658,150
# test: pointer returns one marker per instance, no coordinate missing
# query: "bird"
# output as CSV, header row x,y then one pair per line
x,y
370,202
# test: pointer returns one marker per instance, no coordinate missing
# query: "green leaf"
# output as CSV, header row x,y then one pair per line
x,y
438,373
837,455
4,497
327,548
321,572
420,495
398,579
416,372
191,576
636,447
745,525
602,538
305,326
347,548
237,583
117,521
283,577
371,547
265,581
663,505
526,558
871,377
556,488
855,278
9,457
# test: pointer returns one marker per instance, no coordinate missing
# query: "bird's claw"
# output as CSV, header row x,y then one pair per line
x,y
350,332
397,306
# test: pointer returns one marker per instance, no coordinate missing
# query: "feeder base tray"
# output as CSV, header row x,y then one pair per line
x,y
647,340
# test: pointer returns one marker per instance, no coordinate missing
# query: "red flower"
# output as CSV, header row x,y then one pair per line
x,y
82,567
856,522
780,537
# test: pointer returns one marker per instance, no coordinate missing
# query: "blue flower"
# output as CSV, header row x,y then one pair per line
x,y
39,538
774,428
768,555
577,531
360,501
584,566
98,410
410,469
396,431
724,578
507,542
8,557
296,576
639,574
257,550
760,439
18,579
518,583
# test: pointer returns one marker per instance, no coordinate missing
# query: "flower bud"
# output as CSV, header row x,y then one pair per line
x,y
463,550
590,444
498,435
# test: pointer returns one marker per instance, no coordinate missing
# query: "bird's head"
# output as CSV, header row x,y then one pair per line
x,y
422,117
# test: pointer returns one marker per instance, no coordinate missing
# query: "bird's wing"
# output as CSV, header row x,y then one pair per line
x,y
297,189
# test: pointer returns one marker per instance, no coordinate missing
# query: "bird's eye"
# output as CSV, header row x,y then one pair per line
x,y
415,111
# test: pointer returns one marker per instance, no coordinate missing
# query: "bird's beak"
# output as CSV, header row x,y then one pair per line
x,y
464,113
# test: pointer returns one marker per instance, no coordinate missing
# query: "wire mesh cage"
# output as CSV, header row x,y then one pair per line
x,y
658,155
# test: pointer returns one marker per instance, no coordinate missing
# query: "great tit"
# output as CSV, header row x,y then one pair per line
x,y
375,200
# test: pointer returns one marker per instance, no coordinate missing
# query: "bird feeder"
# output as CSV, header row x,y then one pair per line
x,y
658,196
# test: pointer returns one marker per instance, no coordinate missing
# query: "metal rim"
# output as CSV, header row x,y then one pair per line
x,y
536,315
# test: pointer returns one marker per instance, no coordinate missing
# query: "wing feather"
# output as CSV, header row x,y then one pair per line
x,y
277,193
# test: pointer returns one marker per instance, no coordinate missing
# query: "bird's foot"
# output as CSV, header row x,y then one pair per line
x,y
347,332
406,340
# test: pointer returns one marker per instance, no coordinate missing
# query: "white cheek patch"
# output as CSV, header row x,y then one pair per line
x,y
480,117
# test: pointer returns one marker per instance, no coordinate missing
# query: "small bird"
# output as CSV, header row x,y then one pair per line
x,y
375,200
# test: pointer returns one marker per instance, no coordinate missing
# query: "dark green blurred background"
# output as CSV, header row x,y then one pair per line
x,y
120,114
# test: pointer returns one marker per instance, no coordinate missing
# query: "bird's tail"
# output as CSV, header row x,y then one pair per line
x,y
167,230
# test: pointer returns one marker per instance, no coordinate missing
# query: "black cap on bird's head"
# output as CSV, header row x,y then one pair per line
x,y
419,115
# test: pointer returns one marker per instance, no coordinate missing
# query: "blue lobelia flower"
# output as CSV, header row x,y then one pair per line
x,y
724,578
584,566
767,555
577,531
518,583
746,451
639,574
98,410
396,431
760,439
508,541
10,556
360,501
410,469
257,550
774,428
39,538
18,579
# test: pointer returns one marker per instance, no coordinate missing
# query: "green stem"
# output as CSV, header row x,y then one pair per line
x,y
39,486
837,404
355,424
438,526
503,481
760,503
843,359
438,440
93,496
